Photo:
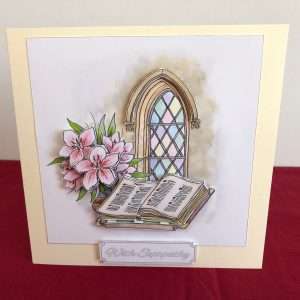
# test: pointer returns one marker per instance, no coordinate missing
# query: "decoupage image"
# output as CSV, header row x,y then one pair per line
x,y
146,137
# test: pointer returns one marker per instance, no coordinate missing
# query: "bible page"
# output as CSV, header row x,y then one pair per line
x,y
127,198
171,195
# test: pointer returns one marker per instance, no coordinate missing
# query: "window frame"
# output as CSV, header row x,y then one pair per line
x,y
139,106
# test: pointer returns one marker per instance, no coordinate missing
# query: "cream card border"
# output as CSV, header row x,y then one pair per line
x,y
250,256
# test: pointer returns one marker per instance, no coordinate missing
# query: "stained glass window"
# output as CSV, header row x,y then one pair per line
x,y
167,137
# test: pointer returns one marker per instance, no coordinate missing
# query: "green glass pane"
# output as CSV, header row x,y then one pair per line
x,y
166,163
179,140
160,107
180,117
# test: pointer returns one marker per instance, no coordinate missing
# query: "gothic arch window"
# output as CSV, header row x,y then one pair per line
x,y
161,111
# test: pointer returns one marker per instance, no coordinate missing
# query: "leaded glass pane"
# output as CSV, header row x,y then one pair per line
x,y
172,150
180,117
160,131
173,129
179,140
166,141
160,107
154,118
168,97
167,137
175,106
168,117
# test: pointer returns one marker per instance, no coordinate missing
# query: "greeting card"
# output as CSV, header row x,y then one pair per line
x,y
158,138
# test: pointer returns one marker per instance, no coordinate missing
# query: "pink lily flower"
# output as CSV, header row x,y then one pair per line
x,y
127,154
126,157
114,144
75,185
76,146
100,167
125,169
74,180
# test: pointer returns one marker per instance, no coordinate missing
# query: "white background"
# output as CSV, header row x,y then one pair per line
x,y
35,13
72,77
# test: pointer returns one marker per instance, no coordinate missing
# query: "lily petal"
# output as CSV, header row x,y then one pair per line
x,y
107,176
128,147
90,179
131,170
97,155
76,156
87,137
122,167
116,137
118,148
70,137
65,151
126,158
110,161
71,175
107,143
84,166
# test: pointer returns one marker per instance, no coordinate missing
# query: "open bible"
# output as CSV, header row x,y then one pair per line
x,y
171,203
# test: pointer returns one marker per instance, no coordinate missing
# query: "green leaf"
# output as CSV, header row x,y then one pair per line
x,y
99,137
101,125
57,160
100,130
76,127
139,175
135,162
112,126
93,195
81,194
101,188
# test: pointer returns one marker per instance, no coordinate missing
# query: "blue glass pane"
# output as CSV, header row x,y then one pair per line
x,y
153,162
154,118
159,170
172,130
